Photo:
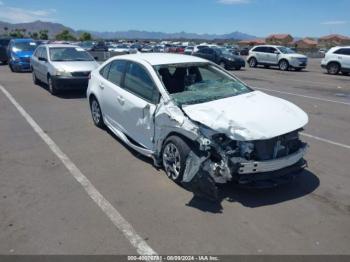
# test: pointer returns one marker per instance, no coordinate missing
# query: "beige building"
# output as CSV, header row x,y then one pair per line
x,y
279,39
252,42
334,40
305,43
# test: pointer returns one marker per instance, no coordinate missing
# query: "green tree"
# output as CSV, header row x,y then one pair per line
x,y
34,35
65,36
44,34
17,33
85,36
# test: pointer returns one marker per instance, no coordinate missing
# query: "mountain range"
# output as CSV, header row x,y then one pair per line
x,y
55,28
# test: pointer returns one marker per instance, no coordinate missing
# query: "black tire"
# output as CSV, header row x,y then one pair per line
x,y
238,68
51,86
35,79
283,65
222,64
333,68
253,62
176,171
96,113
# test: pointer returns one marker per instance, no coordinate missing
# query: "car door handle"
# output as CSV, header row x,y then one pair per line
x,y
121,100
101,86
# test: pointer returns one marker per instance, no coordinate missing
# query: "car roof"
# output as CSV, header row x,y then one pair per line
x,y
22,40
162,59
60,45
269,45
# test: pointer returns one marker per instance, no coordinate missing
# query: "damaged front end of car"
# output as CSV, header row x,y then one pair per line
x,y
216,158
258,164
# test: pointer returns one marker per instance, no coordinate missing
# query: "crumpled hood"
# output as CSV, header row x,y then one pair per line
x,y
74,66
250,116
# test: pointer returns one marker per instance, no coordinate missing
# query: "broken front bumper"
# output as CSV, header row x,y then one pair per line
x,y
252,167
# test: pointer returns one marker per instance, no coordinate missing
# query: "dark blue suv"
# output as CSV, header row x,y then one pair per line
x,y
19,52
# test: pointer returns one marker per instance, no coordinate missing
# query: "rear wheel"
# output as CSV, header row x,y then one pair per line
x,y
175,153
253,62
222,64
96,113
51,85
283,65
333,68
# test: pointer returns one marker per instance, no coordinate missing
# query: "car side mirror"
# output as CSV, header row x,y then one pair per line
x,y
42,59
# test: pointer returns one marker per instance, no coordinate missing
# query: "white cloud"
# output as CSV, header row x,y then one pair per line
x,y
334,22
233,2
20,15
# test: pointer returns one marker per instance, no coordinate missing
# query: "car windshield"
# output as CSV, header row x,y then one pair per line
x,y
225,51
198,83
69,54
24,46
286,50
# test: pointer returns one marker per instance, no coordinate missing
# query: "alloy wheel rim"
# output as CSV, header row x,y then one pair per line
x,y
171,161
333,69
283,65
96,112
252,62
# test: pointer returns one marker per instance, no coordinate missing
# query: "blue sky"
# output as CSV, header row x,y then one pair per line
x,y
256,17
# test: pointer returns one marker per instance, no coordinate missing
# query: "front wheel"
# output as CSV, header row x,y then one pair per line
x,y
51,85
174,156
283,65
35,79
253,62
96,113
333,68
223,65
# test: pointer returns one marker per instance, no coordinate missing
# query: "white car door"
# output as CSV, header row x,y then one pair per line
x,y
109,84
136,104
272,55
43,64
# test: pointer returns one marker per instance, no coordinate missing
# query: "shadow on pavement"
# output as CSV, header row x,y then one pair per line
x,y
304,183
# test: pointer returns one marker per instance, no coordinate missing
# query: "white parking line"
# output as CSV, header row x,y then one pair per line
x,y
305,96
124,226
325,140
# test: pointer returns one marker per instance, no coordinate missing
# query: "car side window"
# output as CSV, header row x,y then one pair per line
x,y
271,50
139,82
43,53
343,51
105,70
36,52
116,72
260,49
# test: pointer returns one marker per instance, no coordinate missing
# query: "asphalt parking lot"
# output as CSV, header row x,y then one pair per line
x,y
45,210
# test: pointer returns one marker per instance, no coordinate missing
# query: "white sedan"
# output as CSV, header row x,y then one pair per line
x,y
202,124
